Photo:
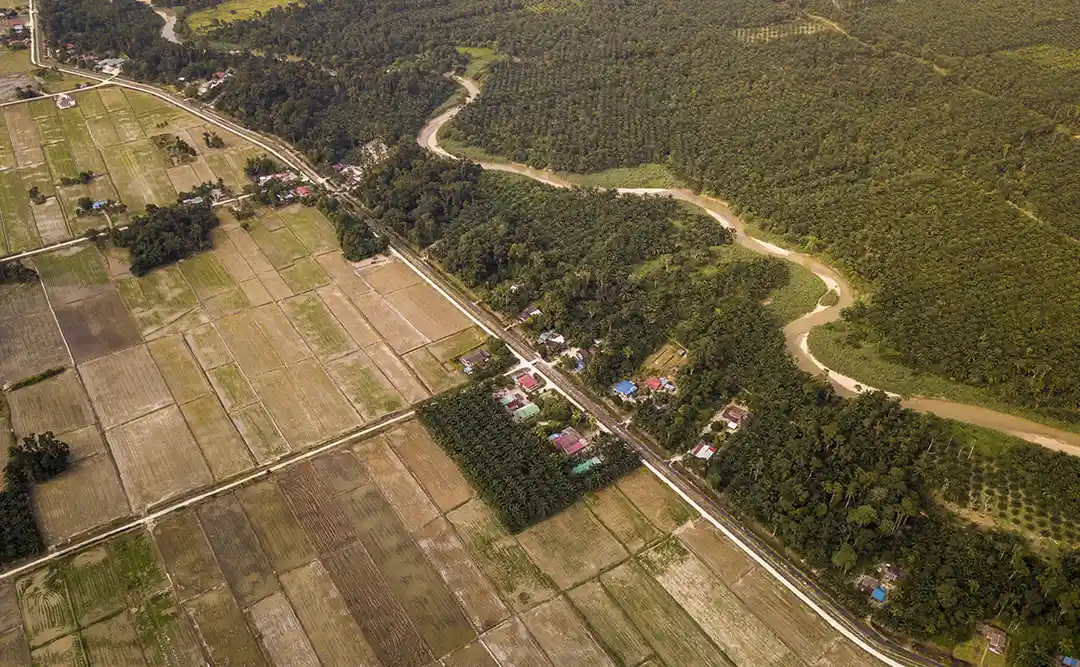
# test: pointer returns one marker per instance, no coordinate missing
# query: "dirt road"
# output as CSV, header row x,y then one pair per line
x,y
795,333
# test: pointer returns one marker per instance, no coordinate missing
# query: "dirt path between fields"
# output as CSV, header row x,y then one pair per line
x,y
795,333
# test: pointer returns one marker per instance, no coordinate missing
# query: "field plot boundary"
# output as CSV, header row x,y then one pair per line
x,y
154,516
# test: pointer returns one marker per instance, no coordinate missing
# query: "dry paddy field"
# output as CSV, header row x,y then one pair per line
x,y
206,369
379,554
107,133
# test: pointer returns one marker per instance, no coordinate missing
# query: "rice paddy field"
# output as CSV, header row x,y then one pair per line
x,y
204,370
379,553
107,133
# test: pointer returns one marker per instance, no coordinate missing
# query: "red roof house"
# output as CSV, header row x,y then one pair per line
x,y
526,381
568,441
303,191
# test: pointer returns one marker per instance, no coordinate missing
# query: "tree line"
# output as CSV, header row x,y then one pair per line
x,y
519,474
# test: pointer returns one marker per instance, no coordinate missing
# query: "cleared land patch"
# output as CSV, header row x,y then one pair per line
x,y
559,632
281,634
231,386
511,644
725,559
30,344
224,632
742,635
501,558
280,534
186,552
157,457
622,518
57,404
322,332
660,619
380,616
609,623
364,384
182,374
436,471
416,585
330,626
124,386
97,326
246,568
221,445
476,595
571,547
88,495
393,479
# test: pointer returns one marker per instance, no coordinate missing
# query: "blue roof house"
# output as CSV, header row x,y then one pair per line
x,y
626,389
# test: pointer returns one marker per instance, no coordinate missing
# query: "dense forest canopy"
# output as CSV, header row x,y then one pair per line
x,y
848,484
934,157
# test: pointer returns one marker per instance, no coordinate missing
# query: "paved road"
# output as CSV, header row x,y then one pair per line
x,y
777,566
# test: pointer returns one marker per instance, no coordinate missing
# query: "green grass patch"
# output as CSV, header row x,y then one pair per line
x,y
310,227
19,230
77,135
83,268
799,296
457,344
14,62
205,20
480,60
137,563
304,275
641,176
865,361
207,275
34,379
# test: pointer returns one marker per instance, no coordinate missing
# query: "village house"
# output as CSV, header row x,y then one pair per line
x,y
625,390
871,588
303,191
474,360
65,101
530,311
552,338
656,384
568,441
703,451
110,65
527,381
526,411
996,638
586,466
734,416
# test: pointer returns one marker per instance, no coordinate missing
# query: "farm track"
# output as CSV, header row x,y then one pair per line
x,y
796,332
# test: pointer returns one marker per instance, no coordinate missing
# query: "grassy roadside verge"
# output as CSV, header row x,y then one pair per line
x,y
829,344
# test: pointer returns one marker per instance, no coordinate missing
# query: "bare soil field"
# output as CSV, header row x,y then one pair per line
x,y
432,467
808,636
331,628
58,404
654,500
725,559
365,385
396,483
246,568
281,634
571,547
511,644
30,344
97,326
87,496
609,623
563,637
124,386
478,598
282,537
158,458
217,437
344,560
744,638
